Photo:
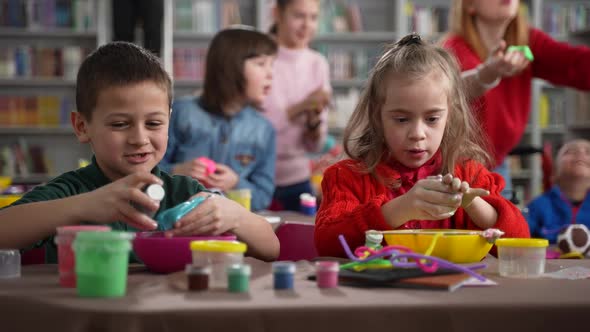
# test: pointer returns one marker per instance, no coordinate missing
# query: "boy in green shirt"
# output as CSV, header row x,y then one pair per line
x,y
123,98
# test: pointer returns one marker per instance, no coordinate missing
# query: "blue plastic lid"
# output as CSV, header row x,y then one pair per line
x,y
283,267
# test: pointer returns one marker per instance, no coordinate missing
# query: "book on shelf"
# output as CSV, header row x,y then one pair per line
x,y
35,111
427,20
41,62
205,16
22,159
78,15
561,19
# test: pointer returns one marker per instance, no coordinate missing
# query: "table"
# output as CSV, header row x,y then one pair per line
x,y
36,302
287,216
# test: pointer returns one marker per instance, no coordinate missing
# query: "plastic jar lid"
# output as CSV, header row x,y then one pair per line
x,y
283,267
516,242
327,266
67,230
239,269
197,269
219,246
155,192
104,236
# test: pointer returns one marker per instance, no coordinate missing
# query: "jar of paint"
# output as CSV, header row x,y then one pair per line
x,y
197,277
326,273
65,255
102,260
307,204
220,255
9,263
238,278
283,274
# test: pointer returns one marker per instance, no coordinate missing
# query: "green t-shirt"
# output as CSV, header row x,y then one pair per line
x,y
178,189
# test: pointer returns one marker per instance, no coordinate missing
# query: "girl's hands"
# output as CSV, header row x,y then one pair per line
x,y
430,199
462,187
193,168
112,202
224,178
215,216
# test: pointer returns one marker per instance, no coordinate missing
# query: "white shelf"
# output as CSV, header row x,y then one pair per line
x,y
357,37
351,83
36,131
522,175
192,35
50,33
554,129
37,82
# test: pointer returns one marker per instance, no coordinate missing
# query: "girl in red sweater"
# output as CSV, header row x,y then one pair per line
x,y
412,124
498,82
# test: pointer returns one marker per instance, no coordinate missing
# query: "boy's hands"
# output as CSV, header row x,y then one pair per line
x,y
112,202
215,216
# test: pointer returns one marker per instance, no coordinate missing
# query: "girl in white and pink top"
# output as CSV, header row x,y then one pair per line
x,y
298,100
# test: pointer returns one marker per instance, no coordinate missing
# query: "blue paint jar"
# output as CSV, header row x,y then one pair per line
x,y
283,274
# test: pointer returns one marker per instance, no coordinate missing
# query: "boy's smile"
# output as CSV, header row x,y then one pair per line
x,y
128,131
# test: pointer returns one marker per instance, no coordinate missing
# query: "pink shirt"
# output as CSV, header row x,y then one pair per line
x,y
297,73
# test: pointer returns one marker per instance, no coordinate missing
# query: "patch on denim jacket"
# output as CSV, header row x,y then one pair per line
x,y
245,159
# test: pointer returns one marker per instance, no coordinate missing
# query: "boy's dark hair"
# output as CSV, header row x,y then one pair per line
x,y
224,73
117,64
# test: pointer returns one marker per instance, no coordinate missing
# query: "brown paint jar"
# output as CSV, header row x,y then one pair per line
x,y
198,277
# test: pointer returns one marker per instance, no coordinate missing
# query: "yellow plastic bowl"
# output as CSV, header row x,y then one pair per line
x,y
455,245
6,200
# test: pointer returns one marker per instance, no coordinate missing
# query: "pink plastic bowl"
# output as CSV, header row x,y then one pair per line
x,y
165,255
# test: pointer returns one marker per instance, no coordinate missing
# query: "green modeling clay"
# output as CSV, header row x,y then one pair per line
x,y
524,49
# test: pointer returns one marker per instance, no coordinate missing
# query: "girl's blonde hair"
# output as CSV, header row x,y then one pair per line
x,y
462,23
413,59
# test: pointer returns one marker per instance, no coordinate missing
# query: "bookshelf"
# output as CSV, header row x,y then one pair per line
x,y
351,34
558,113
43,44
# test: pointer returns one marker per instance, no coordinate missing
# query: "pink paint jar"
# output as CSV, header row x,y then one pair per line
x,y
65,254
327,274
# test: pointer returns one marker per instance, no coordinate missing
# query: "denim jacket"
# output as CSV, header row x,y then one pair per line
x,y
245,142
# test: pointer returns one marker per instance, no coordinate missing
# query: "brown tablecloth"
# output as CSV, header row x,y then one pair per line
x,y
35,301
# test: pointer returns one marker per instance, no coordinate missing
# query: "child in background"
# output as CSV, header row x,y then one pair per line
x,y
498,81
123,97
412,123
223,124
297,102
568,201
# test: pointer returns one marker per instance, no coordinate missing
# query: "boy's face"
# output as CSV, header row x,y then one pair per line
x,y
574,159
129,128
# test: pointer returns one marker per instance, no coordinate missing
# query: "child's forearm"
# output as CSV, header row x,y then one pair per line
x,y
23,225
482,213
393,212
258,234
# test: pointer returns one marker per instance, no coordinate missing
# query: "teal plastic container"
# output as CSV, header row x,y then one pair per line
x,y
102,260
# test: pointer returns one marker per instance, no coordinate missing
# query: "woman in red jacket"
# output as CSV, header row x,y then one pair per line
x,y
412,124
499,82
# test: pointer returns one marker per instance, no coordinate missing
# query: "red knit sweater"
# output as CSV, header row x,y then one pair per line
x,y
352,201
504,110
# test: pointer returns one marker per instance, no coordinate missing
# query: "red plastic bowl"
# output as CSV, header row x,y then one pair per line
x,y
165,255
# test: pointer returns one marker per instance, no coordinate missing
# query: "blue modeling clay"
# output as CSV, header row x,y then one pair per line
x,y
167,218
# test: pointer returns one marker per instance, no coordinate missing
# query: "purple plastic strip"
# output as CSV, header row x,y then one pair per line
x,y
395,255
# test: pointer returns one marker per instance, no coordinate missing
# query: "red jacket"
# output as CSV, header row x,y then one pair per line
x,y
352,201
504,110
